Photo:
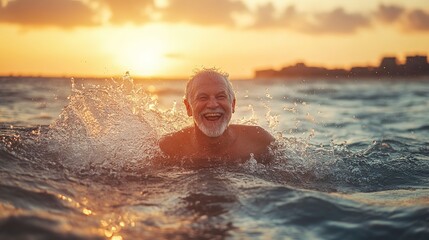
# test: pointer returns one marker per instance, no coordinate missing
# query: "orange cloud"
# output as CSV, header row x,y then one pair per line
x,y
38,13
409,20
136,11
418,20
72,13
336,21
203,12
264,17
389,14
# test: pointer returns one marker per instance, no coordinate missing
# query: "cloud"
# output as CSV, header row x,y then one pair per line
x,y
73,13
417,20
264,16
389,14
408,20
136,11
203,12
336,21
60,13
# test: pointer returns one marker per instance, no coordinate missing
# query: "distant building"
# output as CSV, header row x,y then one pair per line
x,y
361,72
389,63
389,67
267,73
416,63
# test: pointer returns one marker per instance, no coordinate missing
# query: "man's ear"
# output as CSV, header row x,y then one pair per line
x,y
233,105
188,107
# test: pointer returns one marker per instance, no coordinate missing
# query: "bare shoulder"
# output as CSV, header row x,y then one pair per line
x,y
174,143
255,140
254,133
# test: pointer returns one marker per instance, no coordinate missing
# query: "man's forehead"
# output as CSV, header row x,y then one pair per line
x,y
209,78
209,81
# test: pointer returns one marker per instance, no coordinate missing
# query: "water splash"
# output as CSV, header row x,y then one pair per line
x,y
109,127
253,166
330,165
106,122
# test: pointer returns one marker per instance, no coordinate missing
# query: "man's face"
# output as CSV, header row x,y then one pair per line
x,y
210,105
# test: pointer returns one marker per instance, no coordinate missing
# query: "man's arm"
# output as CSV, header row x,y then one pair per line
x,y
266,144
265,138
256,140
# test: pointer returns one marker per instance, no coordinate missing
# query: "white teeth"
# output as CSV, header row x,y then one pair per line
x,y
212,115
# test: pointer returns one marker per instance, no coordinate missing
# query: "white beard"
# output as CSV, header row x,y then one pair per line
x,y
213,131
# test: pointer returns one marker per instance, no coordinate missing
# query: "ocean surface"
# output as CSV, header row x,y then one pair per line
x,y
78,160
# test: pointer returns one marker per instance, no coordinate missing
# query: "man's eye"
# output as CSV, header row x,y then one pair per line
x,y
221,97
203,98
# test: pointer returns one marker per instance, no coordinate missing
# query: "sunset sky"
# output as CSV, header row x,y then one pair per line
x,y
169,38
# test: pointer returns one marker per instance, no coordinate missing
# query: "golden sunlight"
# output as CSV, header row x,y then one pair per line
x,y
141,61
142,53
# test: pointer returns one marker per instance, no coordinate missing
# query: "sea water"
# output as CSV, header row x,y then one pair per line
x,y
78,160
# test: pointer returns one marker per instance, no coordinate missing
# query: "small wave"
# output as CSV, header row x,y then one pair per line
x,y
8,96
42,116
418,129
376,98
385,164
342,124
31,227
319,91
421,93
293,209
34,98
207,204
27,199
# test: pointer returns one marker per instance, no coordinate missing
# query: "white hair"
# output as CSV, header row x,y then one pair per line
x,y
209,73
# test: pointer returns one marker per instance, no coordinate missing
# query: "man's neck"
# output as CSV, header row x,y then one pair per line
x,y
213,144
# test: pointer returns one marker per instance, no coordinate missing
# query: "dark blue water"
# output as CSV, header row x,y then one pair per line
x,y
79,160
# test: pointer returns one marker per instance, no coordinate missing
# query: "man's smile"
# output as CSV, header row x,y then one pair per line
x,y
213,116
213,122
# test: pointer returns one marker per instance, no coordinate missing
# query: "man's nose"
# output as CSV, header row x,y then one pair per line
x,y
212,103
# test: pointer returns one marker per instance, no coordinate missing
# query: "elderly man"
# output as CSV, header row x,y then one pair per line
x,y
210,100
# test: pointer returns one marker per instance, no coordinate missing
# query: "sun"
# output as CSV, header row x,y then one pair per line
x,y
142,60
142,52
